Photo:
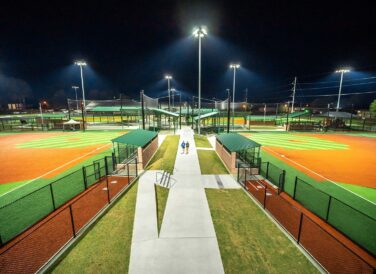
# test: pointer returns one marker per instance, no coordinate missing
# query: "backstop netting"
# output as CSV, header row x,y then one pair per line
x,y
149,102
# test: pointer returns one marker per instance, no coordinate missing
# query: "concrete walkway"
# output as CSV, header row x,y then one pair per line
x,y
187,242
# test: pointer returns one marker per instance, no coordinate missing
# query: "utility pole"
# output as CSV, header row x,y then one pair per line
x,y
293,94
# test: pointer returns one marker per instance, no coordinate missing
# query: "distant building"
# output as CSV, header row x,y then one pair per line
x,y
16,106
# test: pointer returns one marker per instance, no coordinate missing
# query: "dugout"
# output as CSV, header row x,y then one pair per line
x,y
139,143
236,150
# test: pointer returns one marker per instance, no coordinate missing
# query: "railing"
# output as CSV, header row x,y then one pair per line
x,y
18,215
31,250
318,240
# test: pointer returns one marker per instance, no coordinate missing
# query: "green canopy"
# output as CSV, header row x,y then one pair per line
x,y
206,115
112,108
299,113
162,111
235,142
138,137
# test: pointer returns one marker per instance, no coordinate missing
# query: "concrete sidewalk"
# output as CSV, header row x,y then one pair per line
x,y
187,242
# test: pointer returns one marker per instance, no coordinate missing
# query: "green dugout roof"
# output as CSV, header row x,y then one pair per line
x,y
235,142
206,115
112,108
138,137
162,111
299,113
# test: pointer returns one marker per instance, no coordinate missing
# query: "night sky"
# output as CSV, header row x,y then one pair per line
x,y
129,46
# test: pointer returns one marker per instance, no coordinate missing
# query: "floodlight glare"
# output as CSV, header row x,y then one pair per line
x,y
200,32
80,63
342,70
168,77
234,66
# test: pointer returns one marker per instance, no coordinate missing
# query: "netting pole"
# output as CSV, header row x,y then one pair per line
x,y
83,117
69,117
84,175
128,172
228,110
108,189
142,108
180,110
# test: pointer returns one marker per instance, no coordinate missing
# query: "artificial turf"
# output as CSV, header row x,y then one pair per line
x,y
106,247
248,241
164,158
210,162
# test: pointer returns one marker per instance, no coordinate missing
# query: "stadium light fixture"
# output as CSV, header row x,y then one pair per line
x,y
233,66
341,71
199,32
81,64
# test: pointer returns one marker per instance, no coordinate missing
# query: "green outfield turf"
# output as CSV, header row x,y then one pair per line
x,y
31,200
295,141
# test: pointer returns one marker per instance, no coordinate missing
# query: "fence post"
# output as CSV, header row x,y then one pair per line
x,y
72,221
136,167
267,170
128,172
1,241
327,212
296,181
106,165
84,174
281,185
52,196
238,173
300,227
265,191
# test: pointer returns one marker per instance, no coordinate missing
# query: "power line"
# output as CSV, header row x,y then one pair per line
x,y
349,85
336,94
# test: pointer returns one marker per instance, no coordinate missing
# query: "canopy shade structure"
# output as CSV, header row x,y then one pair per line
x,y
138,137
299,114
203,116
235,142
335,114
71,122
162,111
112,108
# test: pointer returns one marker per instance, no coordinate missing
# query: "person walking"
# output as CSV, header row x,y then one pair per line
x,y
186,147
183,147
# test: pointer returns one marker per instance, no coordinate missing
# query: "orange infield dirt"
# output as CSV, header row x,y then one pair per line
x,y
355,165
20,164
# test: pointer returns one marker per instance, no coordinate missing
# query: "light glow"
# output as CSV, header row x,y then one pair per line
x,y
168,77
342,70
234,66
200,32
80,63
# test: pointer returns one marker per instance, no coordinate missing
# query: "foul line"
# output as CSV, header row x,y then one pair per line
x,y
283,156
67,163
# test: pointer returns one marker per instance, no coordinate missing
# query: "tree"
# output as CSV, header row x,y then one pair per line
x,y
372,107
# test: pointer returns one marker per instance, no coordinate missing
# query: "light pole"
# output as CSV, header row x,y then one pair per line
x,y
81,64
75,90
342,71
234,67
173,98
199,33
168,78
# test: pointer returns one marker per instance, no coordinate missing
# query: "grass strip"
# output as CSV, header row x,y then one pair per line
x,y
162,195
249,242
164,158
210,162
202,141
107,246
